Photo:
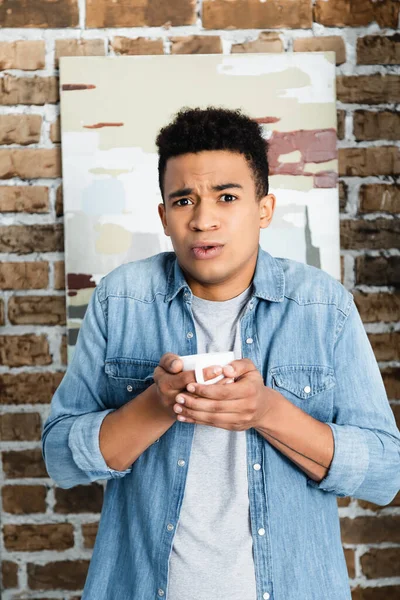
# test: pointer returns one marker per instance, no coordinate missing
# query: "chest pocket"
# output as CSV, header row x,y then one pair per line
x,y
127,378
310,387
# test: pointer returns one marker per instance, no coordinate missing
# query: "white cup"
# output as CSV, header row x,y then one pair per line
x,y
197,362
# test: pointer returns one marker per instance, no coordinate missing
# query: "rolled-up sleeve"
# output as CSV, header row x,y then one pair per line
x,y
366,460
70,438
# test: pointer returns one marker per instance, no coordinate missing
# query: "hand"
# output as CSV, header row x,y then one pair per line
x,y
236,407
169,380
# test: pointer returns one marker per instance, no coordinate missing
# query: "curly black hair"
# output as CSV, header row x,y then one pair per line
x,y
212,128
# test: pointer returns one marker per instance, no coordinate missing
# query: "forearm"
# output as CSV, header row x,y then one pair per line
x,y
303,439
127,432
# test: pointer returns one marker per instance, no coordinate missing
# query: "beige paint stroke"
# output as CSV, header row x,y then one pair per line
x,y
146,108
112,239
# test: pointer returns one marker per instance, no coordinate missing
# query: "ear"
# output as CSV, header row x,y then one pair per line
x,y
267,207
163,217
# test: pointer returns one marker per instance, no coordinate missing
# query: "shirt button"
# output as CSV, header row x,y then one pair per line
x,y
170,527
307,389
189,334
249,341
129,388
160,592
261,531
181,462
186,295
266,596
256,467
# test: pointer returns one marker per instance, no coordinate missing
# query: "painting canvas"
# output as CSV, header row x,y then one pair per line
x,y
111,111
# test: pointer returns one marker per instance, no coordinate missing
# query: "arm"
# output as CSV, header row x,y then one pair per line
x,y
366,459
70,439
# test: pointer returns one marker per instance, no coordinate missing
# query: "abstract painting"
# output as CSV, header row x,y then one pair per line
x,y
111,111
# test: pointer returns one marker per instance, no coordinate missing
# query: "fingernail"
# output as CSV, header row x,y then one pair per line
x,y
178,409
180,399
173,363
217,370
230,369
190,387
229,381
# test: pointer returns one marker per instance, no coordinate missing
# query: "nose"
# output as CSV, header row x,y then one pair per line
x,y
204,218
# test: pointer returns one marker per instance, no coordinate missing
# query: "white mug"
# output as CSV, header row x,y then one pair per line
x,y
197,362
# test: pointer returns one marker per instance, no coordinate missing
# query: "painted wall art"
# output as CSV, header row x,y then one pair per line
x,y
111,111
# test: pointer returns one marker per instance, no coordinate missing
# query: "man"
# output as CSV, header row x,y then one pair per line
x,y
221,491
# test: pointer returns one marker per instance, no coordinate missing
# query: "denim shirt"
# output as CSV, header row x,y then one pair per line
x,y
302,331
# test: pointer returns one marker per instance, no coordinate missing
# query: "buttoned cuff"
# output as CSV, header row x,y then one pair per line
x,y
349,464
83,441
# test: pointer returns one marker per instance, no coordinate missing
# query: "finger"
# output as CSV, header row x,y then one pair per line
x,y
208,418
216,391
236,368
171,362
202,405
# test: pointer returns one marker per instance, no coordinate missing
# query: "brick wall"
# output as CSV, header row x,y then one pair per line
x,y
47,532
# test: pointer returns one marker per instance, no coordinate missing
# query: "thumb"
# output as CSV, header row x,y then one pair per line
x,y
236,368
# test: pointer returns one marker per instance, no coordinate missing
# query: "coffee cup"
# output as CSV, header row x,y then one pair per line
x,y
198,362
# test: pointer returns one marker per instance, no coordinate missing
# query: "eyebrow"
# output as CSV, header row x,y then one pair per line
x,y
215,188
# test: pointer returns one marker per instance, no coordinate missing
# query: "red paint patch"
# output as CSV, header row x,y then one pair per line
x,y
70,87
267,120
99,125
316,146
79,281
325,179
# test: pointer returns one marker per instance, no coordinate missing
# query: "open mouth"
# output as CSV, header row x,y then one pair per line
x,y
202,252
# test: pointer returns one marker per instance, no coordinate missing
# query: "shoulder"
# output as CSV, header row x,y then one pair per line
x,y
141,279
306,284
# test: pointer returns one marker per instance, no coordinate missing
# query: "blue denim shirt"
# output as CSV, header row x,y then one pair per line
x,y
304,334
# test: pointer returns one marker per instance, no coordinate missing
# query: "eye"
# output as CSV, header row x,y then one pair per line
x,y
181,199
229,196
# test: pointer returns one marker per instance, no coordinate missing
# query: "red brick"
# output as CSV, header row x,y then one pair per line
x,y
59,202
380,562
9,574
24,499
24,198
61,574
55,131
266,42
342,195
364,162
131,13
79,499
22,54
386,346
28,90
28,388
252,14
24,275
64,350
16,427
39,13
24,463
374,235
345,501
370,530
341,116
333,43
368,89
396,412
78,47
32,538
24,350
349,556
2,312
378,307
89,532
25,239
391,379
20,129
378,270
37,310
30,163
59,275
377,507
379,197
356,13
378,50
196,44
382,125
376,593
128,46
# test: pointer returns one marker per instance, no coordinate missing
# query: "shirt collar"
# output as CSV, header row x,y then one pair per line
x,y
268,280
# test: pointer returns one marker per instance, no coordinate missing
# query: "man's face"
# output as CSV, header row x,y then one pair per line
x,y
210,197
